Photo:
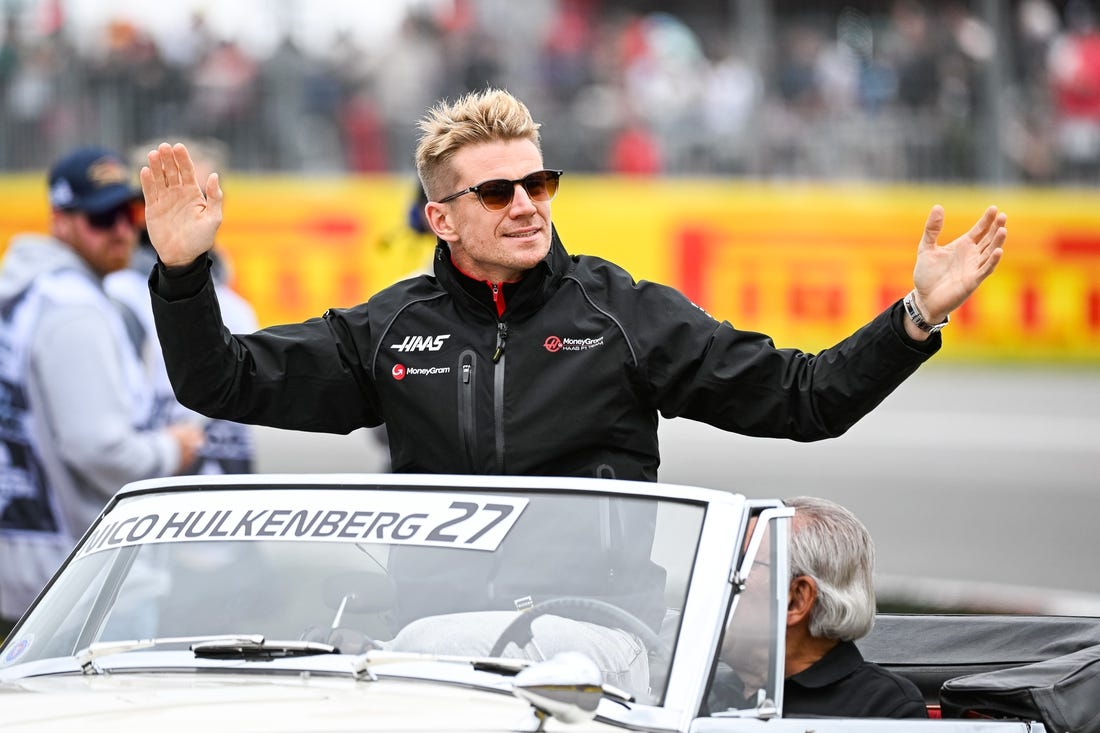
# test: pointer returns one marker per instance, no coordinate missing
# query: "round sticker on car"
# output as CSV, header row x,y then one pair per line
x,y
17,649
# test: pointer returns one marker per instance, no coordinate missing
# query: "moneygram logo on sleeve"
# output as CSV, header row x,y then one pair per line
x,y
421,343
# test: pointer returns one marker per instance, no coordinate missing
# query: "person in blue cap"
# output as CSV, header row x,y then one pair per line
x,y
75,400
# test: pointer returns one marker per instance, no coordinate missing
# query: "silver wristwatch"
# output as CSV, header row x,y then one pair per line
x,y
918,320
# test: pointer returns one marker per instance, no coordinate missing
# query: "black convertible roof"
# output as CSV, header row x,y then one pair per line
x,y
1029,667
975,640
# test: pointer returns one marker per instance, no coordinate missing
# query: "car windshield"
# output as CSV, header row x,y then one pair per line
x,y
451,571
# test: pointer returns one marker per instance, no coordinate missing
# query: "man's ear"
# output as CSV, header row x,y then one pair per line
x,y
801,597
439,218
61,225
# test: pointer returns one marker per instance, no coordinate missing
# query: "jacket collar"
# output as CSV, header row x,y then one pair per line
x,y
838,663
521,297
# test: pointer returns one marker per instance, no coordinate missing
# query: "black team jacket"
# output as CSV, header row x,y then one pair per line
x,y
566,379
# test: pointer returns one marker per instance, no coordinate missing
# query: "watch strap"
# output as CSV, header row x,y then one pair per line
x,y
917,318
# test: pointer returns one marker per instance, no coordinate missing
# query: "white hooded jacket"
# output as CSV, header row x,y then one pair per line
x,y
74,412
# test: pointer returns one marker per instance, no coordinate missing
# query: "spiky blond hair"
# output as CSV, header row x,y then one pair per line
x,y
478,117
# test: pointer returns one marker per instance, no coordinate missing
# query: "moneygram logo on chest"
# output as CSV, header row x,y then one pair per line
x,y
421,343
554,344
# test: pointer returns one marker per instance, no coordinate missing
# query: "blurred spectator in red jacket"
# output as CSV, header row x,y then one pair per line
x,y
635,151
1075,83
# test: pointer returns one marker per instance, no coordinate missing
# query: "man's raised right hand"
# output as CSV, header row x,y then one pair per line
x,y
181,217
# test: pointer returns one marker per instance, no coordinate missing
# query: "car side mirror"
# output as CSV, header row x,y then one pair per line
x,y
567,687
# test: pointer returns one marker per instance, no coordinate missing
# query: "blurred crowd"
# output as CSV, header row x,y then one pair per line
x,y
922,90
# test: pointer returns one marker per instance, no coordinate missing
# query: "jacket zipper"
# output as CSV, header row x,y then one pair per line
x,y
502,336
498,392
467,423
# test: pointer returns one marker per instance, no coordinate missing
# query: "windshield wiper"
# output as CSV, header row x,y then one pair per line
x,y
256,647
244,646
364,666
377,657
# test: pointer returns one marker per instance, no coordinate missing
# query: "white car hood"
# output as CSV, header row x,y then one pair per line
x,y
264,703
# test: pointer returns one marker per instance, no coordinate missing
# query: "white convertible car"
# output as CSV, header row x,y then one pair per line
x,y
390,602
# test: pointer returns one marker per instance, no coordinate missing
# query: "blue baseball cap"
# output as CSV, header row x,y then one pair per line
x,y
91,179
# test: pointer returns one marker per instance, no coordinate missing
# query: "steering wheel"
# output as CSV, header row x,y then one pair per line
x,y
580,609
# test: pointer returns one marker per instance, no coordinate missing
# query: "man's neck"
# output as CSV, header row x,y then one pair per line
x,y
804,650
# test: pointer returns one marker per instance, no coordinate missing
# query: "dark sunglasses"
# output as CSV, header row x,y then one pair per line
x,y
497,194
105,220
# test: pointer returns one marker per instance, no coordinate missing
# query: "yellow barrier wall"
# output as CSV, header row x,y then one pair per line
x,y
805,263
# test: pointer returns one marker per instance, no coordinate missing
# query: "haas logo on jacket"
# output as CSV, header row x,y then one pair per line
x,y
421,343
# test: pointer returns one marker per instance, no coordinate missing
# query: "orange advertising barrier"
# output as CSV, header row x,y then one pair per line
x,y
807,264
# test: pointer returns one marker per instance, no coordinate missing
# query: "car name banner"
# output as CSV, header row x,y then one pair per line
x,y
437,519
